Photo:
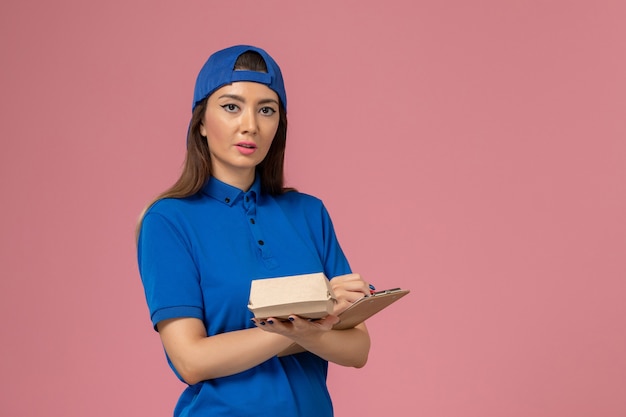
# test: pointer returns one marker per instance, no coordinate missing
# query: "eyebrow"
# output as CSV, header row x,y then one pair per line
x,y
241,99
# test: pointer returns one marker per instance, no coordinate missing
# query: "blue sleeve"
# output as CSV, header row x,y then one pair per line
x,y
170,278
335,261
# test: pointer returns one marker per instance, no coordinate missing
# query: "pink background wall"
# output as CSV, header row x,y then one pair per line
x,y
474,152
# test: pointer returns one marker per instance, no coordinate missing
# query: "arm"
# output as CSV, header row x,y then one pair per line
x,y
197,357
344,347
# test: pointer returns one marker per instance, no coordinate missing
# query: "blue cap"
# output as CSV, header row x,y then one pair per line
x,y
219,71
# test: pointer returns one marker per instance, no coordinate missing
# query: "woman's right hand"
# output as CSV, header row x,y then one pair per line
x,y
348,289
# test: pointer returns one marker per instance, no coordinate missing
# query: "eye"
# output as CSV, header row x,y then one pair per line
x,y
267,111
231,108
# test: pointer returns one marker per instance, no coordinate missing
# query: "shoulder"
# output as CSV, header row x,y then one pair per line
x,y
296,199
175,210
308,208
172,218
170,206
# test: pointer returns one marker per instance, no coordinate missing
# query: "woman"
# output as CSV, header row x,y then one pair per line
x,y
229,220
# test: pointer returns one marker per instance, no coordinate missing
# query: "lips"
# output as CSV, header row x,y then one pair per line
x,y
246,145
246,148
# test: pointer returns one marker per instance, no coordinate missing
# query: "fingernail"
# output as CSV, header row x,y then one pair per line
x,y
291,319
372,287
270,321
262,323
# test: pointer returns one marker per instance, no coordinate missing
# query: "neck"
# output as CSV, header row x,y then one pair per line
x,y
243,182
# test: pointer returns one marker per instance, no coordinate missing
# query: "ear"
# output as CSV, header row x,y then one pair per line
x,y
202,130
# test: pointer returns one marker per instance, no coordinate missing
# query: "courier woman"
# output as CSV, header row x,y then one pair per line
x,y
226,221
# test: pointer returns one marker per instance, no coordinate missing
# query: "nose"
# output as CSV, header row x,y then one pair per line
x,y
249,123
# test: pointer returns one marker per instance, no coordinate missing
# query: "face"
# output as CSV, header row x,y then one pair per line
x,y
240,122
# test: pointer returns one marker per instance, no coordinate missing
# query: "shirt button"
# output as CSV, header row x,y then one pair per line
x,y
252,221
227,200
261,242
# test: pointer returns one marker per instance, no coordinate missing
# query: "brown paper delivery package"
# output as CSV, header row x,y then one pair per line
x,y
309,296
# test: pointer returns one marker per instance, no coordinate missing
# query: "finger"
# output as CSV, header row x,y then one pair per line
x,y
258,322
272,325
354,285
277,324
347,278
350,283
326,323
301,325
349,296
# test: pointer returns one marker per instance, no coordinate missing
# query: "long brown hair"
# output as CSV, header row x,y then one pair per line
x,y
197,166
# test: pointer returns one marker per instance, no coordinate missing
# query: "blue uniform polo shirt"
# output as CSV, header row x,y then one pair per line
x,y
197,257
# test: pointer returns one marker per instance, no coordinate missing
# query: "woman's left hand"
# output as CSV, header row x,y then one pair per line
x,y
297,328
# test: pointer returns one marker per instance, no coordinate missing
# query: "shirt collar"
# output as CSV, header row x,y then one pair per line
x,y
226,193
